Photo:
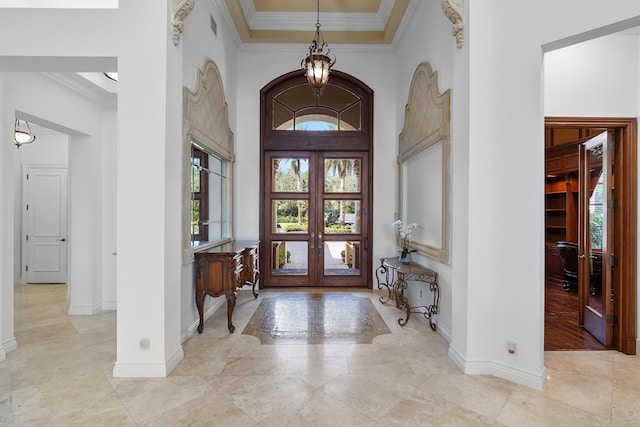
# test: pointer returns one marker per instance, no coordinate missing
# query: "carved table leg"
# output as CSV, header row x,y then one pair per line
x,y
200,305
231,303
380,271
402,302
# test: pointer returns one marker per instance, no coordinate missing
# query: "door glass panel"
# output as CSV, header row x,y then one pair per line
x,y
296,108
342,258
596,215
289,257
342,175
290,175
317,118
596,242
291,216
351,118
282,116
341,216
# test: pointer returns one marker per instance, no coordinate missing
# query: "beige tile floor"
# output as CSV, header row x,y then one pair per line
x,y
61,376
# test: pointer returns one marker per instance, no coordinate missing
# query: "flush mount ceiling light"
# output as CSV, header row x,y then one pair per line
x,y
112,76
22,133
317,64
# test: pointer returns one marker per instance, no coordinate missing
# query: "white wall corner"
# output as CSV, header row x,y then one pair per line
x,y
457,357
175,358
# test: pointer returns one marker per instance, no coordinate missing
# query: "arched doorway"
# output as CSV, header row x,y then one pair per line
x,y
316,180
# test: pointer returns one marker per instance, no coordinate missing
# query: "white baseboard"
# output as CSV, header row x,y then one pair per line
x,y
140,370
10,345
84,310
109,305
148,370
482,367
173,361
441,330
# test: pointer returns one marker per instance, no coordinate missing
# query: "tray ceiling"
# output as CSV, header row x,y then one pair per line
x,y
293,21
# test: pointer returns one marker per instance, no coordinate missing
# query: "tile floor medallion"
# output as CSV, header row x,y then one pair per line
x,y
316,318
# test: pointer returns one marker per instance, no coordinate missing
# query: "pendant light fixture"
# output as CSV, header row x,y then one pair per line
x,y
317,64
22,134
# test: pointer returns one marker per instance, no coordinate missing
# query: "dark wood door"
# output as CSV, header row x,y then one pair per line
x,y
315,205
623,253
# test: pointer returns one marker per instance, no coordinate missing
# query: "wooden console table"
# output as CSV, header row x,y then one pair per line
x,y
224,269
395,276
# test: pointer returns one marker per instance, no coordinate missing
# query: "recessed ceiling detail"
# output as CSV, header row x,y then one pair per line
x,y
293,21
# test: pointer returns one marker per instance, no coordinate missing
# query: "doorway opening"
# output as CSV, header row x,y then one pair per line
x,y
316,174
571,182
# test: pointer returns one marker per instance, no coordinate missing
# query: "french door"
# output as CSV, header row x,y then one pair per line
x,y
596,237
315,208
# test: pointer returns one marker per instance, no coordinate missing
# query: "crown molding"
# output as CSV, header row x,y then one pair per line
x,y
84,87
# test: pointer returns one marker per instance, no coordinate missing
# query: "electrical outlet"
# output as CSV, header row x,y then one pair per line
x,y
145,343
511,347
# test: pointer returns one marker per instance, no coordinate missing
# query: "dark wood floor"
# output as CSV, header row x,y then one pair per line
x,y
561,329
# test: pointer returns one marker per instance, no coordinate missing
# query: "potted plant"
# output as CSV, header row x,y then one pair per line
x,y
406,235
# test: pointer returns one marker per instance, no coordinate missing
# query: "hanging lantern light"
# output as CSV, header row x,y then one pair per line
x,y
22,134
317,64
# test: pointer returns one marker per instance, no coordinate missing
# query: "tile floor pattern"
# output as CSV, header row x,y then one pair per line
x,y
61,376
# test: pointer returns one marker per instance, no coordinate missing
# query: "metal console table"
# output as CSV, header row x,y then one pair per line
x,y
395,276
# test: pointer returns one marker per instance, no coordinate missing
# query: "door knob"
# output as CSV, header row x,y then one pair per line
x,y
581,256
61,240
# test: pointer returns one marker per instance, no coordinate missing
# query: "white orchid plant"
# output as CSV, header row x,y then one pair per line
x,y
406,234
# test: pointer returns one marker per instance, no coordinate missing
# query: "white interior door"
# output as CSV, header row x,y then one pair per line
x,y
45,205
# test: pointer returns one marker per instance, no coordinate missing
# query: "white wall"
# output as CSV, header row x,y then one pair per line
x,y
53,105
592,79
597,78
506,286
199,43
109,205
149,122
427,39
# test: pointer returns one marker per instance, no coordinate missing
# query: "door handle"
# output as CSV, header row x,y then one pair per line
x,y
581,256
61,240
320,242
312,240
